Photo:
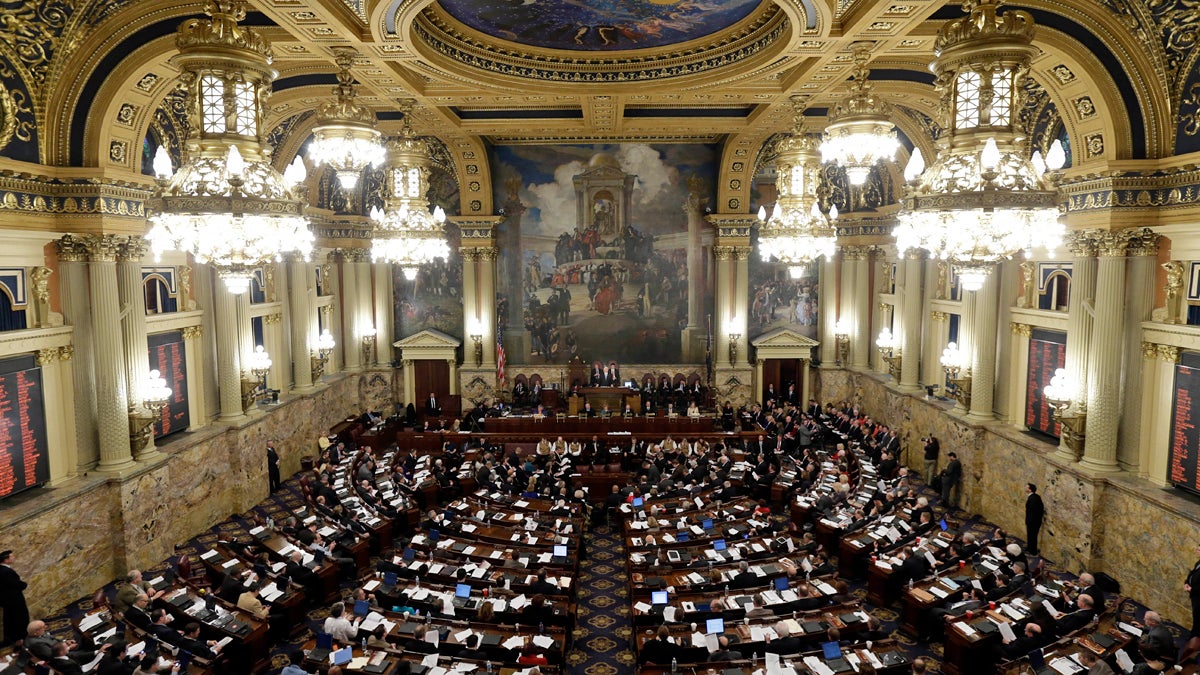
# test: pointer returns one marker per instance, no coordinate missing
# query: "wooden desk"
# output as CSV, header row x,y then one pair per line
x,y
249,639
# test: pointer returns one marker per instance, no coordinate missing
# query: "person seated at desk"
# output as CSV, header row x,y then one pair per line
x,y
693,410
725,650
337,625
61,663
134,585
1030,640
471,649
539,412
432,407
295,663
587,411
660,649
538,611
418,644
188,640
41,644
520,391
116,662
786,643
1065,624
532,656
138,613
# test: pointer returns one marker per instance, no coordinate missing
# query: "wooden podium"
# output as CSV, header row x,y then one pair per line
x,y
613,397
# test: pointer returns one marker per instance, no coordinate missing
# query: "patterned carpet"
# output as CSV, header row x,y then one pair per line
x,y
603,630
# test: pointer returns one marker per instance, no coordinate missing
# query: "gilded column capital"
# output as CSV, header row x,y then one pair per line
x,y
1168,353
741,252
939,316
272,319
488,254
326,310
104,247
46,357
469,254
1082,243
1022,329
885,307
1149,351
132,249
723,252
71,248
66,352
191,332
1143,242
916,254
355,255
856,252
1114,244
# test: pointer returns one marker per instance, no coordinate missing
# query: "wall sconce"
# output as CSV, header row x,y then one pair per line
x,y
733,347
886,342
953,363
841,340
478,339
325,345
255,389
368,345
1058,395
155,397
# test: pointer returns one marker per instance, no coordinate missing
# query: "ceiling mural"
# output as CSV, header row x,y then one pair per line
x,y
599,25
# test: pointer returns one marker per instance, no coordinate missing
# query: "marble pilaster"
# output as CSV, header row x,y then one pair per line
x,y
133,328
860,338
351,337
229,353
300,311
1139,303
827,310
1082,245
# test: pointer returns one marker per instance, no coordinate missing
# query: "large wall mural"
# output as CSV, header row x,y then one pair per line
x,y
601,252
434,298
779,301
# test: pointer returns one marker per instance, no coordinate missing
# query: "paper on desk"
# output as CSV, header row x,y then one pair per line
x,y
817,666
430,661
544,557
228,563
371,585
518,602
1012,612
271,592
1065,665
642,607
543,641
772,663
938,592
207,555
513,642
826,588
90,621
1128,628
757,634
437,568
965,628
789,595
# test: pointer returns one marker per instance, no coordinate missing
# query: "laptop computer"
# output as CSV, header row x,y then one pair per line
x,y
1038,660
942,524
434,535
362,607
409,554
673,555
832,652
658,597
462,596
781,583
706,524
714,627
560,550
342,656
637,502
390,579
683,536
321,651
719,545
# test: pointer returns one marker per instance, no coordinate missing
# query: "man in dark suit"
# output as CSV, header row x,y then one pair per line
x,y
951,479
744,578
1069,623
12,600
272,466
659,649
1035,511
1087,586
432,407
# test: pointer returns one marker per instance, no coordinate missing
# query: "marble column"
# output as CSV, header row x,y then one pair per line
x,y
935,341
276,346
741,299
133,328
693,333
860,338
983,348
1142,271
485,275
112,415
910,322
351,337
1082,245
884,318
1018,373
827,310
1104,362
300,278
472,319
846,305
229,352
966,338
383,314
76,307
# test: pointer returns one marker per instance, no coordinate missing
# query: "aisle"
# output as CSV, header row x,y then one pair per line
x,y
603,629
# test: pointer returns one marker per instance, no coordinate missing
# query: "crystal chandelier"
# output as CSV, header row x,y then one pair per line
x,y
797,233
345,137
227,205
984,199
860,132
405,232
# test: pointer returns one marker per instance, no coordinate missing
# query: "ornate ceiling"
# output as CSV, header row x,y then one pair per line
x,y
1118,78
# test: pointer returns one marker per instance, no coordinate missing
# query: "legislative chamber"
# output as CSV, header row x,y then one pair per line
x,y
386,336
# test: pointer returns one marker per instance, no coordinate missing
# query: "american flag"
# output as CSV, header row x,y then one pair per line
x,y
500,357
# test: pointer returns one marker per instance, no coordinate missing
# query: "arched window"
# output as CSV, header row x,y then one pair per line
x,y
159,299
10,319
1057,292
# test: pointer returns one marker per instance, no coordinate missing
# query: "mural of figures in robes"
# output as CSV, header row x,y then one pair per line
x,y
602,251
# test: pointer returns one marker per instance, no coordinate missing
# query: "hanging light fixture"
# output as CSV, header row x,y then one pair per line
x,y
345,137
860,132
984,199
405,232
227,205
797,233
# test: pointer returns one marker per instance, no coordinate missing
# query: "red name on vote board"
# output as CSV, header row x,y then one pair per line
x,y
29,441
1182,456
7,469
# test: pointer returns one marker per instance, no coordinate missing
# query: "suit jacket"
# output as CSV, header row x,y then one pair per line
x,y
787,645
1035,510
659,651
1193,580
12,588
1072,622
432,407
744,580
65,666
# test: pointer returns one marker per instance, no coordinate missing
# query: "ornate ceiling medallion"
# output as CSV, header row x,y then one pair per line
x,y
761,34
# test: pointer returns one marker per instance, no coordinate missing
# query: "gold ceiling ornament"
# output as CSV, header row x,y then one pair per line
x,y
345,137
797,233
860,132
405,232
8,117
227,205
984,199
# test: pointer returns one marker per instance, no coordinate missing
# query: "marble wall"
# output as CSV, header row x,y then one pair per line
x,y
1140,534
87,532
